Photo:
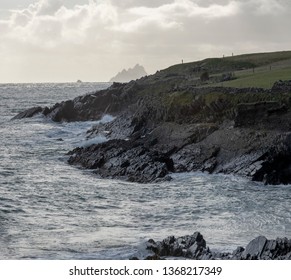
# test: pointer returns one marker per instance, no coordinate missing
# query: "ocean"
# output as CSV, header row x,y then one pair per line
x,y
51,210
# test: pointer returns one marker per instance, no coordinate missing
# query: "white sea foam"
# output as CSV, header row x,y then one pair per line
x,y
106,119
96,140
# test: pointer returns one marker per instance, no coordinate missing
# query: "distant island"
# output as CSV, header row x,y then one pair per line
x,y
125,76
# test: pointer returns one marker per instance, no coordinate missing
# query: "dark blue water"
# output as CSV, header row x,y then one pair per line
x,y
50,210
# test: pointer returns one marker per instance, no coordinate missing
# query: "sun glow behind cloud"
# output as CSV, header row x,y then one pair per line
x,y
48,41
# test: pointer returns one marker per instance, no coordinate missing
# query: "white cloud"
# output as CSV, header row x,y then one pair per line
x,y
47,7
117,34
172,15
268,7
49,24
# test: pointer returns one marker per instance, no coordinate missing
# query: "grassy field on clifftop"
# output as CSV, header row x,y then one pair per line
x,y
249,70
263,77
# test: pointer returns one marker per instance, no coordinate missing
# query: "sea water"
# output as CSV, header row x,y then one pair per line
x,y
51,210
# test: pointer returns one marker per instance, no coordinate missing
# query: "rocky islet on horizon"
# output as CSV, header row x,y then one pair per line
x,y
125,76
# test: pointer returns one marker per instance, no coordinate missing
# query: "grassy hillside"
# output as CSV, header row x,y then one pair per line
x,y
249,70
263,79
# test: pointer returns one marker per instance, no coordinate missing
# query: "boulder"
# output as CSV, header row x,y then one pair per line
x,y
255,248
194,247
190,246
263,249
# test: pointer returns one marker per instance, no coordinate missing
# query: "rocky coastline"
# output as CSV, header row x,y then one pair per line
x,y
165,124
194,247
170,123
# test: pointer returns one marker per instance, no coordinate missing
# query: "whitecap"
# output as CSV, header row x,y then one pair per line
x,y
96,140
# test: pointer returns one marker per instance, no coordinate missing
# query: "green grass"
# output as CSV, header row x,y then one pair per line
x,y
231,63
262,79
260,59
175,100
242,66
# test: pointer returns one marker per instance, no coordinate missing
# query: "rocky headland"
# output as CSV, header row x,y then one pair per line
x,y
194,247
175,122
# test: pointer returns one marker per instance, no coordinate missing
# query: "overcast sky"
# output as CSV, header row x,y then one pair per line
x,y
67,40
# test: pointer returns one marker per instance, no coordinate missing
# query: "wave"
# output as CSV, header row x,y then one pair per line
x,y
96,140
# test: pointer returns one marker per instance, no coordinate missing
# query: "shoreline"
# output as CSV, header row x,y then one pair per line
x,y
198,116
214,131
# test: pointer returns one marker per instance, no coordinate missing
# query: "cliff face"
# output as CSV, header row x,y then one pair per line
x,y
134,73
168,123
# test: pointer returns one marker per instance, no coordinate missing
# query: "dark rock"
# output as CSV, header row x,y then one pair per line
x,y
255,248
210,165
268,114
65,112
28,113
194,247
190,246
236,254
46,111
263,249
92,106
124,160
282,86
275,166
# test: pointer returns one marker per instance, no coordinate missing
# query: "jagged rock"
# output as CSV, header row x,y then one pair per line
x,y
28,113
93,106
190,246
275,164
210,165
263,249
124,160
194,247
236,254
66,111
255,248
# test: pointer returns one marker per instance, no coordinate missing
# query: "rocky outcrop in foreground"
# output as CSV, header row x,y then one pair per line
x,y
194,247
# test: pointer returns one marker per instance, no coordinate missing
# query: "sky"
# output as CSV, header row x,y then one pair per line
x,y
92,40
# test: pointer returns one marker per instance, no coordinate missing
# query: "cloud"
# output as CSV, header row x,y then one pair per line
x,y
117,34
173,14
48,23
268,7
47,7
